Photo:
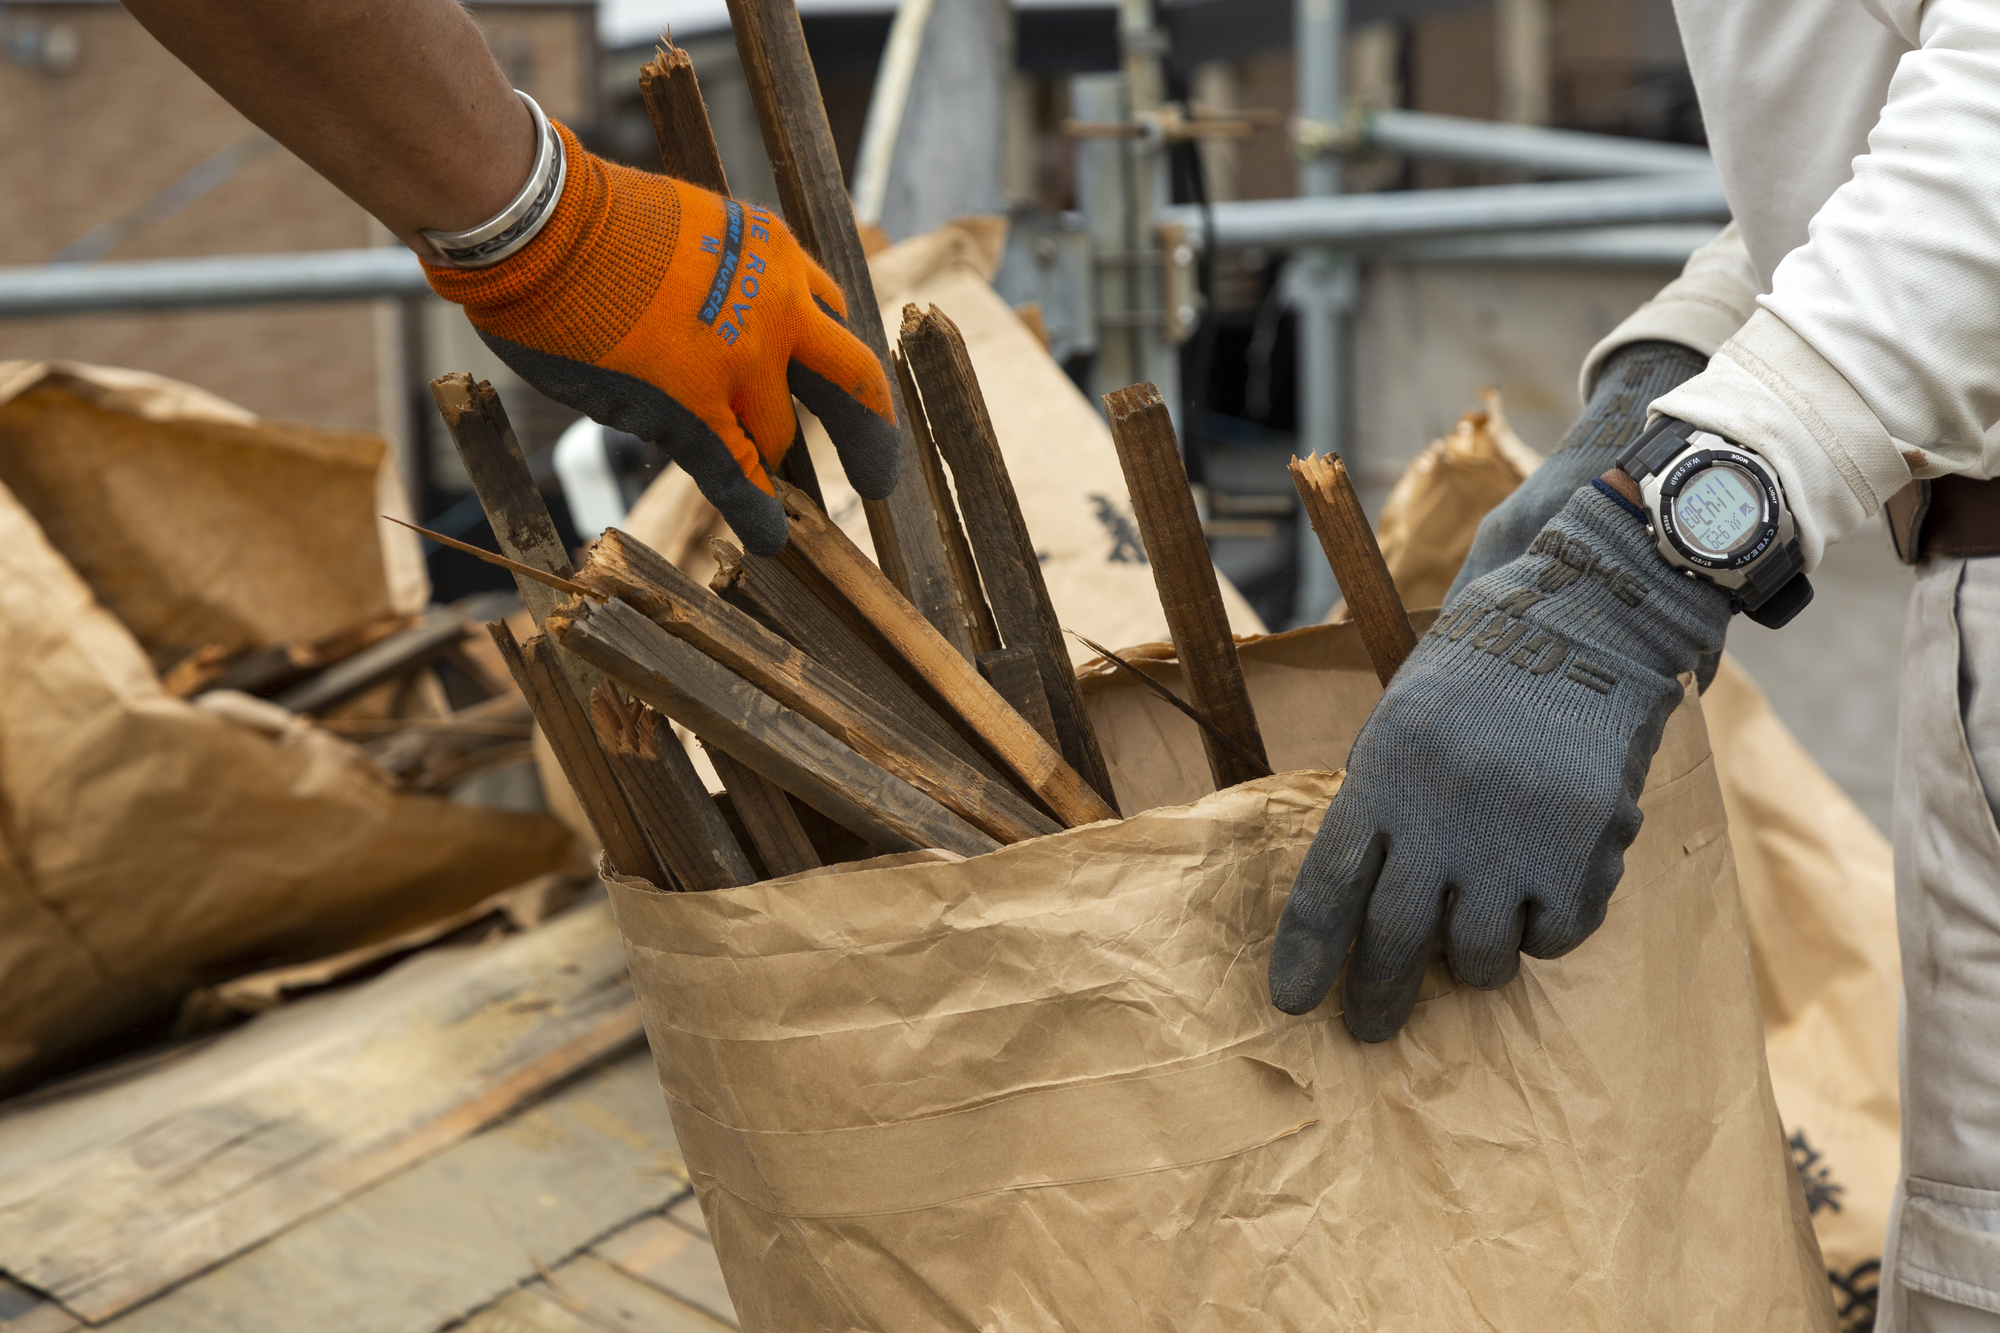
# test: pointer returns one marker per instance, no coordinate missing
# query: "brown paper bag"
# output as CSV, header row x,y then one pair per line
x,y
1045,1088
1816,878
149,846
195,522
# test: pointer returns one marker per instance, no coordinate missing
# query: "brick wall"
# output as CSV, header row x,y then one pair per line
x,y
84,145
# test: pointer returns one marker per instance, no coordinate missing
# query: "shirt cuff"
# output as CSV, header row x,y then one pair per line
x,y
1701,309
1767,389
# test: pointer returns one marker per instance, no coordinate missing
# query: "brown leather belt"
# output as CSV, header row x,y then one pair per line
x,y
1949,516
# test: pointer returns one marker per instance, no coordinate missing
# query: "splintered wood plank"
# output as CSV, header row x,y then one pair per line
x,y
591,776
812,191
672,802
823,557
640,577
1008,565
457,1231
1185,575
727,711
776,596
1349,542
119,1192
774,828
972,631
672,94
680,1262
1016,674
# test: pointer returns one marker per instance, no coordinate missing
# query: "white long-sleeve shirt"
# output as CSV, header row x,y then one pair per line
x,y
1859,143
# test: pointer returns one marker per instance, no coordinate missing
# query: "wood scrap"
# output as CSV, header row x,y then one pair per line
x,y
777,598
436,633
1150,455
1180,705
1349,542
1016,675
672,94
621,567
822,551
725,710
583,761
974,615
812,191
774,828
1008,565
673,806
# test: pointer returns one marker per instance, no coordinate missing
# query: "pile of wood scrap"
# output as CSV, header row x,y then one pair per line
x,y
927,702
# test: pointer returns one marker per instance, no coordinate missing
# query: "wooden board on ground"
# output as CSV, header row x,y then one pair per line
x,y
120,1190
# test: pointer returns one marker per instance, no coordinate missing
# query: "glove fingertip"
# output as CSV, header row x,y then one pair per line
x,y
758,521
1302,969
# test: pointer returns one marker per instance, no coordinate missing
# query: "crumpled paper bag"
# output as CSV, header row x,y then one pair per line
x,y
197,523
149,846
1045,1088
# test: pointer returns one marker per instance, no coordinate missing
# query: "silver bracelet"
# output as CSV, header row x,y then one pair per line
x,y
516,224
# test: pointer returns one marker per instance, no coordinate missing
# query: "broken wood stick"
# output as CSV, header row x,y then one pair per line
x,y
643,579
774,828
583,761
1015,674
774,595
674,808
1150,454
974,615
823,551
526,534
727,711
401,653
672,94
1008,563
1349,542
812,191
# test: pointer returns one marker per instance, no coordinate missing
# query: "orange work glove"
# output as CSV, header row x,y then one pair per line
x,y
690,320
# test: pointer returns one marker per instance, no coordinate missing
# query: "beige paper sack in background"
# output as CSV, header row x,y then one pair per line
x,y
149,846
1045,1088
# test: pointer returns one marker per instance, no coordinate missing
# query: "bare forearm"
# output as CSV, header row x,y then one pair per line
x,y
397,102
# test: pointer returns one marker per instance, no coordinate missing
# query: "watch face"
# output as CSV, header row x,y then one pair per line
x,y
1719,511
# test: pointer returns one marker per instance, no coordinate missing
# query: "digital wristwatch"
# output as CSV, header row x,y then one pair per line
x,y
1716,511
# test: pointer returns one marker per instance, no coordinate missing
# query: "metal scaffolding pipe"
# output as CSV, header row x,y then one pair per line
x,y
1367,220
1666,245
1545,152
223,280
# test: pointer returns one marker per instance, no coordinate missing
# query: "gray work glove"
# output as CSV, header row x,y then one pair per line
x,y
1491,795
1632,377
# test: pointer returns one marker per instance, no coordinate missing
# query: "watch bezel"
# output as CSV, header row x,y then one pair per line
x,y
1684,469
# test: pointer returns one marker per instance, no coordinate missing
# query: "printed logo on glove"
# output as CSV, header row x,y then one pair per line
x,y
691,320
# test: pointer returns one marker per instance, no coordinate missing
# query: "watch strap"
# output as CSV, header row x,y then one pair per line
x,y
1656,446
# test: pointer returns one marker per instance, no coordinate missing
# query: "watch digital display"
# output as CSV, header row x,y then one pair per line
x,y
1718,510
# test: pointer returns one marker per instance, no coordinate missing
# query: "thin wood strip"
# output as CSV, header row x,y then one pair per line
x,y
1008,564
1349,542
822,549
774,595
583,761
1015,674
1150,455
725,710
812,191
767,815
639,576
477,421
673,804
974,615
672,94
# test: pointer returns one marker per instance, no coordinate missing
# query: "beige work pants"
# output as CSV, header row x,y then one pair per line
x,y
1942,1260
